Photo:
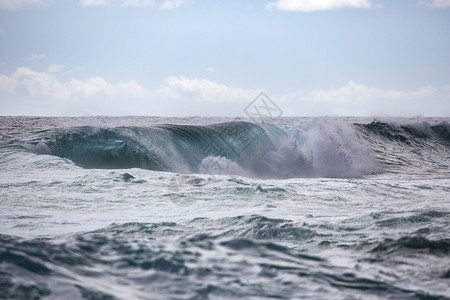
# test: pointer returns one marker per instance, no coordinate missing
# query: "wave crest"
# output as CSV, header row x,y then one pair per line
x,y
311,148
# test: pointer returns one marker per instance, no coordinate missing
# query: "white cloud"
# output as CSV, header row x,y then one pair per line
x,y
46,85
360,94
161,4
20,4
316,5
32,92
202,90
129,3
170,4
7,84
54,68
91,87
35,84
356,99
94,3
210,69
436,3
35,57
132,88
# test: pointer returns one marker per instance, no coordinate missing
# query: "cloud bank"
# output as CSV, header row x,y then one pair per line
x,y
355,99
31,92
317,5
45,85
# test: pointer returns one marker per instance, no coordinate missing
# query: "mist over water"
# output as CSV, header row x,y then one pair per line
x,y
199,208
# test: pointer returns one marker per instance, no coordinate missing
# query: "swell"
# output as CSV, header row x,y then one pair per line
x,y
310,148
410,133
414,148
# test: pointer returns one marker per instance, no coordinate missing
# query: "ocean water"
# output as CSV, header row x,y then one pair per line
x,y
210,208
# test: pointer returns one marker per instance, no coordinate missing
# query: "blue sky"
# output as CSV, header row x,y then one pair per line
x,y
211,58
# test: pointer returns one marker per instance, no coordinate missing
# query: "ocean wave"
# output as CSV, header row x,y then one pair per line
x,y
408,133
415,147
308,149
319,147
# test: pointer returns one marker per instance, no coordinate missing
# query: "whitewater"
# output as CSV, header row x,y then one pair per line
x,y
224,208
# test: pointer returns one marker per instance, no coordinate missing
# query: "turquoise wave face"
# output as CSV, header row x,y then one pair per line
x,y
311,148
159,148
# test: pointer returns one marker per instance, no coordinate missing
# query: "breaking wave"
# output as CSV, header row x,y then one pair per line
x,y
311,148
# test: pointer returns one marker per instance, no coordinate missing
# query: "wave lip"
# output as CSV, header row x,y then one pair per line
x,y
311,148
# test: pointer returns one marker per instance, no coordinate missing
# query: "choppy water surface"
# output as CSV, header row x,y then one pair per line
x,y
151,208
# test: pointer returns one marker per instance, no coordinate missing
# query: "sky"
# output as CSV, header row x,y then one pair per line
x,y
213,57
